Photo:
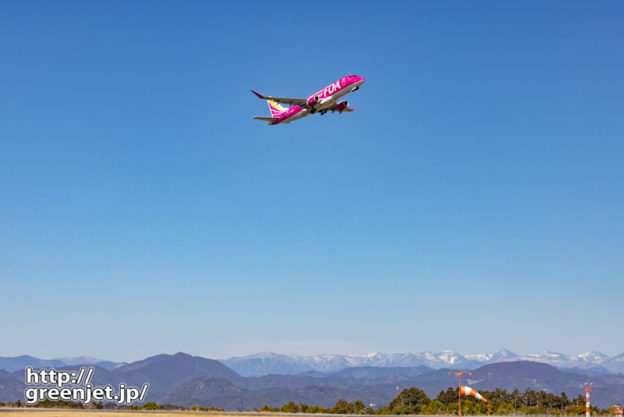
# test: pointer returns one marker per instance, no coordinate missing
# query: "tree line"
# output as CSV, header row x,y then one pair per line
x,y
409,401
500,402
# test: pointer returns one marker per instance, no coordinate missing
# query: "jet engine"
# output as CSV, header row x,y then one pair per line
x,y
342,106
313,101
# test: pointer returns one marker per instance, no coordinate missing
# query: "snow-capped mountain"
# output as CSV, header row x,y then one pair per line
x,y
79,360
615,363
561,360
274,363
89,360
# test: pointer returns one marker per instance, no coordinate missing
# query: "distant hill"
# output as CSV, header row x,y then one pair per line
x,y
589,372
608,389
220,393
372,372
615,364
379,386
20,362
202,390
186,380
163,372
11,387
88,360
523,374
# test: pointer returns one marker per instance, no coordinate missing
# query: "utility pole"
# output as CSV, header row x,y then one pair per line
x,y
588,389
459,375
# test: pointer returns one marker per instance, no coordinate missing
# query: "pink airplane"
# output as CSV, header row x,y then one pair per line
x,y
321,101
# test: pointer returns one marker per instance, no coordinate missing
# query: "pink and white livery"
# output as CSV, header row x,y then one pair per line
x,y
321,101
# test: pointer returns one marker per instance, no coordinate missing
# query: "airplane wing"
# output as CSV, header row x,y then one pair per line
x,y
266,119
285,100
336,107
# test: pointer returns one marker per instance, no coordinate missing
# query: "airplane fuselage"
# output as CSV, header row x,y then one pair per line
x,y
322,100
294,112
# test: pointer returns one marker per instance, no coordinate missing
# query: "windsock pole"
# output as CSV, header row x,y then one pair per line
x,y
588,389
459,394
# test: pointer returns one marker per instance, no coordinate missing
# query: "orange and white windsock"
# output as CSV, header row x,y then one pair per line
x,y
464,390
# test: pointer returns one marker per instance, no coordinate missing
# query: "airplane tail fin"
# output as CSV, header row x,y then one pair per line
x,y
275,108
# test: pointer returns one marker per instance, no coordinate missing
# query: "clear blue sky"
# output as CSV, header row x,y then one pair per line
x,y
474,200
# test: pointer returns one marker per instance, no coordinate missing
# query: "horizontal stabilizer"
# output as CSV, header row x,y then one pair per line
x,y
266,119
259,95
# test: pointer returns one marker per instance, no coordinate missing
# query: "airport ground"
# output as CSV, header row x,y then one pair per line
x,y
63,412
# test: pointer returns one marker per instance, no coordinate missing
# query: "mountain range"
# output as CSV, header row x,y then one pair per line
x,y
273,363
20,362
186,380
